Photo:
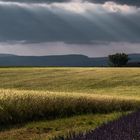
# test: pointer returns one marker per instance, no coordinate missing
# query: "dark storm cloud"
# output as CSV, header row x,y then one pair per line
x,y
30,28
128,2
68,23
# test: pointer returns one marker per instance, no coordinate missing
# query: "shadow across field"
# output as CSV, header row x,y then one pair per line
x,y
47,129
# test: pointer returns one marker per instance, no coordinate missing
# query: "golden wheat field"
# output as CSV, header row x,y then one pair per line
x,y
41,103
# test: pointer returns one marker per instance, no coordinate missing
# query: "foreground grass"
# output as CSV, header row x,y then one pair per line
x,y
44,130
23,106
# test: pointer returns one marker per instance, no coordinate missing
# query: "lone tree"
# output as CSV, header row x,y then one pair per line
x,y
118,59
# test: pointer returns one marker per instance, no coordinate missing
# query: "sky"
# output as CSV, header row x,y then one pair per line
x,y
54,27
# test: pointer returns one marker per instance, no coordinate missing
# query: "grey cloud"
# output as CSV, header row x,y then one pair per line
x,y
128,2
37,1
44,24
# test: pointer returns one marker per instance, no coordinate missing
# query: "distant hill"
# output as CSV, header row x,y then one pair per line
x,y
134,57
58,60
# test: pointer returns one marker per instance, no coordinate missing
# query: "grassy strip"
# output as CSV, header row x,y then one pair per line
x,y
124,128
44,130
23,106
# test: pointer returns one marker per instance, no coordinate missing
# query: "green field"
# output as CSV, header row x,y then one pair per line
x,y
40,103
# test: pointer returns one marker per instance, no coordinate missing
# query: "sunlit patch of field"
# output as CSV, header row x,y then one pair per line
x,y
60,96
22,106
86,80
